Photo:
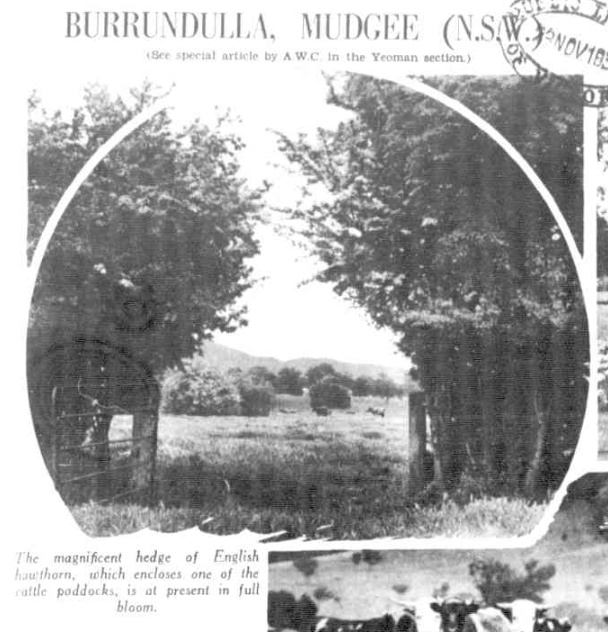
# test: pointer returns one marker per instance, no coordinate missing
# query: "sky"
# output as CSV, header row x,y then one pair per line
x,y
289,314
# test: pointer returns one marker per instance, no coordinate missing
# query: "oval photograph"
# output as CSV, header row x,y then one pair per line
x,y
329,306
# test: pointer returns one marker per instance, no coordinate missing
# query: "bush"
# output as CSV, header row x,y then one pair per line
x,y
497,581
330,393
324,594
306,565
198,390
289,381
257,400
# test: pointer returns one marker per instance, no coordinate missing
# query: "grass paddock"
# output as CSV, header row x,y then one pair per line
x,y
342,476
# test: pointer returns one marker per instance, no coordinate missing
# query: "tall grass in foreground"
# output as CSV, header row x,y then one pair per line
x,y
494,517
343,477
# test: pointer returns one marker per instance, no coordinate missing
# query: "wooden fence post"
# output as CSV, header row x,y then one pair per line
x,y
145,442
143,453
416,442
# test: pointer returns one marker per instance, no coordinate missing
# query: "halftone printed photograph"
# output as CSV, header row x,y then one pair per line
x,y
557,585
602,284
348,311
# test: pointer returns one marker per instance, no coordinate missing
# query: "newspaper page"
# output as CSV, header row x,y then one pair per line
x,y
304,316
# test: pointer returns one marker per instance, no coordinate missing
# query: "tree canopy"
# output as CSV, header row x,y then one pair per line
x,y
151,254
425,222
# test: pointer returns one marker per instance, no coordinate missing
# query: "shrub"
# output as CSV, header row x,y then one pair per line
x,y
289,381
306,565
198,390
497,581
324,594
442,592
401,589
257,400
330,393
372,557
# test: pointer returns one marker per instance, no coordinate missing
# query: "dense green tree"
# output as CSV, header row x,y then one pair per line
x,y
427,224
383,386
363,386
261,375
318,372
152,253
328,392
289,381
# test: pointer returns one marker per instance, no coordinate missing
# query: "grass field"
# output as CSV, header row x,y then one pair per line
x,y
342,476
579,588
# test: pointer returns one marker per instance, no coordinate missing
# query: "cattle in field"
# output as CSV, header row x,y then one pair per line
x,y
378,412
385,623
523,614
285,612
417,616
453,613
407,621
322,411
486,620
552,624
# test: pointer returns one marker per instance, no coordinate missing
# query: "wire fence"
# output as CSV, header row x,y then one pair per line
x,y
76,395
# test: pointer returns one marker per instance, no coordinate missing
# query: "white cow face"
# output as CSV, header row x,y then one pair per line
x,y
523,614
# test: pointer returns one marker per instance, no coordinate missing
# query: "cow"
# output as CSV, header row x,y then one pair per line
x,y
416,616
524,614
322,411
453,612
407,621
385,623
285,612
552,624
486,619
379,412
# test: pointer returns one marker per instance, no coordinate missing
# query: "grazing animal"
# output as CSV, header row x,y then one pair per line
x,y
379,412
285,612
524,614
288,411
486,620
453,613
407,621
552,624
377,624
322,411
417,616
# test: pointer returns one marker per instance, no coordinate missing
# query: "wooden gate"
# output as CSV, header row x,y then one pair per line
x,y
95,411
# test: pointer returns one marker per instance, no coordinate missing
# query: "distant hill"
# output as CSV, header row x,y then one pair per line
x,y
223,358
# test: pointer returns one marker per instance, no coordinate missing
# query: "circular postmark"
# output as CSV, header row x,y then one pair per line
x,y
559,37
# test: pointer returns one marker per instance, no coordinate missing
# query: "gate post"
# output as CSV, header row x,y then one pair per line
x,y
145,431
416,442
